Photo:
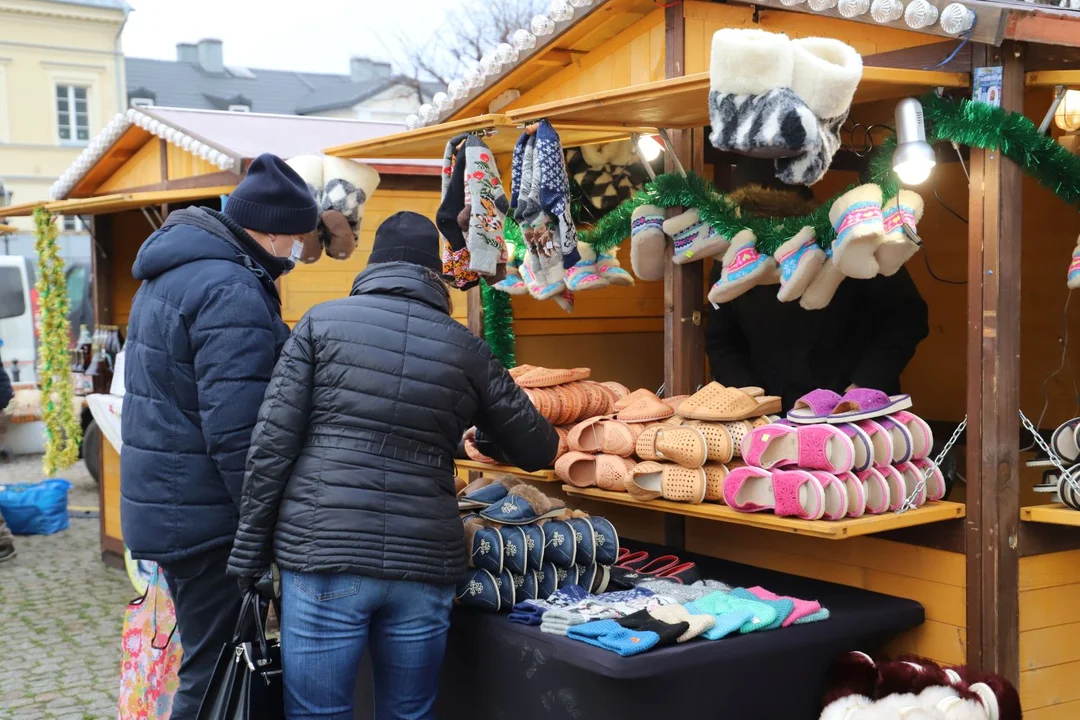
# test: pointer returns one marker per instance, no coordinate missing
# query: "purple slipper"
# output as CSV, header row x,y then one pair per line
x,y
864,403
903,443
864,447
814,407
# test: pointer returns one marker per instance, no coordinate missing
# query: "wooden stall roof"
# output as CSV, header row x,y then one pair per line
x,y
683,102
118,202
500,135
5,229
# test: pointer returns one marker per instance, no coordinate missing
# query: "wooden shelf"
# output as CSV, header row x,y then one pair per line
x,y
1054,514
541,476
828,529
684,102
501,136
1052,78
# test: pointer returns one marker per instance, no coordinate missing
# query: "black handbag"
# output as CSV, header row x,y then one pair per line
x,y
246,684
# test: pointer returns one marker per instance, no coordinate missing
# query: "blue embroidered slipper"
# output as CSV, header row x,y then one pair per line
x,y
479,591
524,504
560,543
585,537
515,552
547,578
607,541
485,546
507,590
534,543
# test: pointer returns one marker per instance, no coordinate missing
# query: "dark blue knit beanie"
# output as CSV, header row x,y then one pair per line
x,y
273,199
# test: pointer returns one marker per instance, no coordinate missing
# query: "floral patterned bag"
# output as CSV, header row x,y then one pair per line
x,y
151,656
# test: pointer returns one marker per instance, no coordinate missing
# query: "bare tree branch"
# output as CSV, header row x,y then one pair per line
x,y
469,31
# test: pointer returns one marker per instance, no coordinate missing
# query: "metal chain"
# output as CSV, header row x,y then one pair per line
x,y
909,503
1070,477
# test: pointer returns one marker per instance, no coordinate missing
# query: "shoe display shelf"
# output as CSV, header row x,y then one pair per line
x,y
471,466
1053,514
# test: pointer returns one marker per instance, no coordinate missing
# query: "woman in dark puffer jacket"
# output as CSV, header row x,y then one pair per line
x,y
350,478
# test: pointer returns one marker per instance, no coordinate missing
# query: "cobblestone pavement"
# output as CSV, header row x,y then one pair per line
x,y
61,613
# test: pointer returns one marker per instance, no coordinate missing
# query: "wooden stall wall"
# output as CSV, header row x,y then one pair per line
x,y
330,279
934,578
127,232
1050,636
109,501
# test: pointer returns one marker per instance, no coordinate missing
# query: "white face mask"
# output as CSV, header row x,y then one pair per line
x,y
294,253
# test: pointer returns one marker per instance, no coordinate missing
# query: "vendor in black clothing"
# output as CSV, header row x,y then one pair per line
x,y
864,337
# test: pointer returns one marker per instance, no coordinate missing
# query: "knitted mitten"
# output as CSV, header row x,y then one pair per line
x,y
647,242
584,275
857,218
693,239
823,286
800,260
744,267
751,107
488,208
609,268
825,74
904,209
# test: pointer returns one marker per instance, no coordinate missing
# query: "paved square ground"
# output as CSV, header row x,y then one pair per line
x,y
61,614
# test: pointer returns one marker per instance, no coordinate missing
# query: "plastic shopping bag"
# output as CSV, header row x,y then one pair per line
x,y
151,655
35,508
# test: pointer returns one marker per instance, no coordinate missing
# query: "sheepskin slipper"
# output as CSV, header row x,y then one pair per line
x,y
845,707
856,672
904,209
744,268
647,242
584,275
522,505
799,259
692,238
611,270
485,546
860,229
823,287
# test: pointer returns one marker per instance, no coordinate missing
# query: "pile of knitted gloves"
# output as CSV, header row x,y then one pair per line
x,y
915,688
472,212
341,188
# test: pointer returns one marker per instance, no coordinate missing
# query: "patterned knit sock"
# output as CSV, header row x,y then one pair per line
x,y
488,206
802,608
783,607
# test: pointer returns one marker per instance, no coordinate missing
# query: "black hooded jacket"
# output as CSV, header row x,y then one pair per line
x,y
352,460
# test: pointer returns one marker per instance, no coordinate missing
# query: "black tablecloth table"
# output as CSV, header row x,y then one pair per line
x,y
498,669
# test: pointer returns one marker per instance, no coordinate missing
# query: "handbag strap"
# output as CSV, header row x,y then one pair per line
x,y
155,585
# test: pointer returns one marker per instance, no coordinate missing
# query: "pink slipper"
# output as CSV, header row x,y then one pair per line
x,y
836,495
864,447
814,407
881,440
876,491
802,609
922,439
865,403
856,493
913,478
902,442
794,493
898,490
812,447
935,482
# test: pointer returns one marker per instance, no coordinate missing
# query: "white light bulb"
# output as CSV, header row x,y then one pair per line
x,y
920,14
821,5
913,173
489,65
523,39
473,78
792,3
457,90
649,148
428,114
853,8
914,158
957,18
441,101
186,143
887,11
412,121
506,53
541,25
581,3
561,10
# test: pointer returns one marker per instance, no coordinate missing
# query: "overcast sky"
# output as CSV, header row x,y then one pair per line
x,y
313,36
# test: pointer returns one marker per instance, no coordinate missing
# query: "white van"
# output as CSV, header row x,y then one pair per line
x,y
19,318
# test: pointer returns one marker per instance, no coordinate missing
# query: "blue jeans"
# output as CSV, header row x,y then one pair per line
x,y
326,623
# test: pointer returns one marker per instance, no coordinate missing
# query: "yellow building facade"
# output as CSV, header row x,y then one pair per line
x,y
61,81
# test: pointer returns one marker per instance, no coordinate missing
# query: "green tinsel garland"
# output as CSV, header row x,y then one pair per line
x,y
498,324
63,433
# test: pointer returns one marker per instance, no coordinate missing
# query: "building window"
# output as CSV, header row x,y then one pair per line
x,y
141,102
72,223
239,108
72,113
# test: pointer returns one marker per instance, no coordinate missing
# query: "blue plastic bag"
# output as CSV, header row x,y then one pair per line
x,y
35,508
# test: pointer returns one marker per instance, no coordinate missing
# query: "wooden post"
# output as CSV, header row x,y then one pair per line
x,y
101,246
684,341
993,604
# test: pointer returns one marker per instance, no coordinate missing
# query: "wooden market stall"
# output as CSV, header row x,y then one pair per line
x,y
996,591
152,161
